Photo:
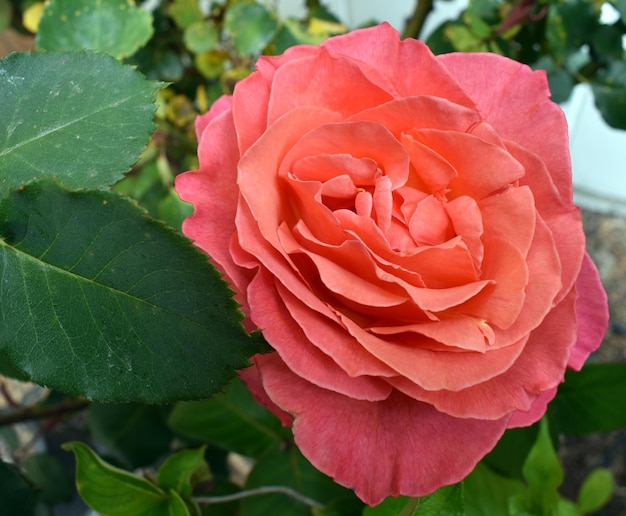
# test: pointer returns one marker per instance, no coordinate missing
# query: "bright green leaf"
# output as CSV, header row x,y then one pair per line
x,y
183,470
117,27
232,420
447,500
201,36
134,434
393,506
101,301
592,400
596,491
609,88
82,117
17,497
251,27
542,472
50,476
113,491
487,493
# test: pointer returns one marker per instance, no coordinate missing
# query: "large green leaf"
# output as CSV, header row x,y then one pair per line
x,y
50,477
114,492
183,470
117,27
101,301
487,493
82,117
592,400
232,420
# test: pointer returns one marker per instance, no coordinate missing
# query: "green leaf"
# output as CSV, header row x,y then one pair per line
x,y
117,27
592,400
111,491
509,455
134,434
99,300
487,493
9,370
447,500
543,473
596,491
393,506
183,470
185,12
291,469
201,36
609,88
232,420
82,117
49,475
251,27
17,497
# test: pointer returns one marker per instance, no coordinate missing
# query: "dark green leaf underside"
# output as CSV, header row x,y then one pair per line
x,y
99,300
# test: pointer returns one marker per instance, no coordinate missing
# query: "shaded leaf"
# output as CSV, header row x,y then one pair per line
x,y
609,89
82,117
201,36
487,493
17,497
101,301
117,27
446,500
291,469
49,475
185,12
134,434
591,400
232,420
5,14
393,506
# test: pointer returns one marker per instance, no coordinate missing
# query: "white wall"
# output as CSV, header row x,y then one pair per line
x,y
598,152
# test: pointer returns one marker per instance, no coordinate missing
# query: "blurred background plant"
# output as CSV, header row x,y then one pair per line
x,y
198,50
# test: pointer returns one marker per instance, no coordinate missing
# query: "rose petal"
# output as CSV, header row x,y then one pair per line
x,y
387,448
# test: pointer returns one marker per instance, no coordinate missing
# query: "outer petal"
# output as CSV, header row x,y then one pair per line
x,y
515,100
591,312
393,447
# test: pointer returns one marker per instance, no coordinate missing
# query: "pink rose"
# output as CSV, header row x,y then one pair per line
x,y
400,227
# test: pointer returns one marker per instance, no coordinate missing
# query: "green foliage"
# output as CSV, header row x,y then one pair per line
x,y
81,117
100,299
591,400
232,420
567,39
112,491
117,27
113,305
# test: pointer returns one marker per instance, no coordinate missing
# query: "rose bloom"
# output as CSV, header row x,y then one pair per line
x,y
400,227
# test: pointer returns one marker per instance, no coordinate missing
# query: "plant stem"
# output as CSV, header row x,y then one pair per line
x,y
258,491
415,23
38,412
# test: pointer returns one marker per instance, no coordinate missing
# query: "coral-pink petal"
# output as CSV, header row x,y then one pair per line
x,y
430,224
518,107
483,168
466,219
258,167
217,108
431,167
435,370
423,112
323,80
393,447
592,314
535,413
395,61
302,357
540,367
